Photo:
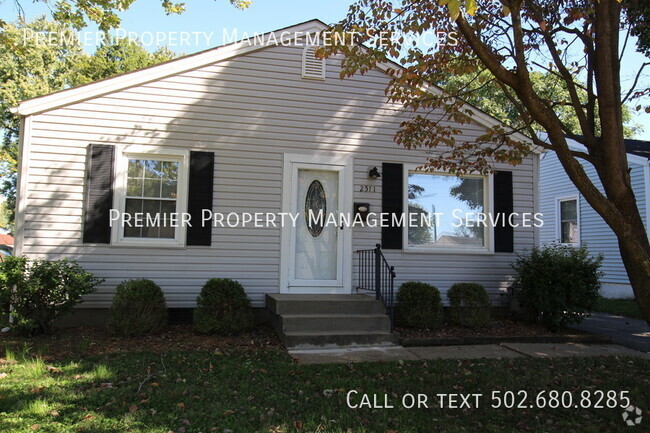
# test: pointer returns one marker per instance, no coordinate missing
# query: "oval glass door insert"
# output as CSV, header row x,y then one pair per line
x,y
315,201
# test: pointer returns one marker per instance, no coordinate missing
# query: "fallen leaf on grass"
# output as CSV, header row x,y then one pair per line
x,y
3,375
133,408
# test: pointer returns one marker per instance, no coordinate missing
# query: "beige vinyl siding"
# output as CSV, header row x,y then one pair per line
x,y
250,111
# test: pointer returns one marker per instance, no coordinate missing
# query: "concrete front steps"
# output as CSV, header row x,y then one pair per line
x,y
329,320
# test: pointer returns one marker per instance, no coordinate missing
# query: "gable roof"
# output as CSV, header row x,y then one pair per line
x,y
637,150
156,72
638,147
203,58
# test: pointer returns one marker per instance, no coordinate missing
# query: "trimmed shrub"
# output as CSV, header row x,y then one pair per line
x,y
138,308
558,284
419,306
223,308
469,305
43,291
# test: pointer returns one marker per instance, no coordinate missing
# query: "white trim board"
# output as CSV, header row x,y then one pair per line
x,y
21,190
646,176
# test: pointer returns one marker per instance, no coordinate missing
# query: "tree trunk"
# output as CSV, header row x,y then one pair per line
x,y
637,263
618,205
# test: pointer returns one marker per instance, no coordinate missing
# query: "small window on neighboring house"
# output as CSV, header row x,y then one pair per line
x,y
569,229
312,67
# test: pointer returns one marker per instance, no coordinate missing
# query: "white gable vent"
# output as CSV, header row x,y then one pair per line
x,y
312,67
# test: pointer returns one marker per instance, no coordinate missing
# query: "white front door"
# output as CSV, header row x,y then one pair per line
x,y
316,247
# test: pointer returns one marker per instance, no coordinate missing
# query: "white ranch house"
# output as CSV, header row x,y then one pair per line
x,y
246,128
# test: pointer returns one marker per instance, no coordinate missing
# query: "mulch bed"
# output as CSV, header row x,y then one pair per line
x,y
496,329
94,341
500,331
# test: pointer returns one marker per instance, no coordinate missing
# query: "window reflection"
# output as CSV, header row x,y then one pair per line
x,y
443,210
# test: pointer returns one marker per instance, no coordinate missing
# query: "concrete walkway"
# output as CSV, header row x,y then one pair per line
x,y
632,333
504,350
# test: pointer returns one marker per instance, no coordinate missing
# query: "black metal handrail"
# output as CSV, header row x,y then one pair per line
x,y
374,274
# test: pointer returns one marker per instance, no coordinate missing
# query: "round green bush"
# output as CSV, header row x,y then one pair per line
x,y
223,308
558,284
419,306
40,291
469,305
138,308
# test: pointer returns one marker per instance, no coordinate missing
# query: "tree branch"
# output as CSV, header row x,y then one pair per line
x,y
485,54
636,81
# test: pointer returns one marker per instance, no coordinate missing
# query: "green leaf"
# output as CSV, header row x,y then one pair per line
x,y
470,7
454,9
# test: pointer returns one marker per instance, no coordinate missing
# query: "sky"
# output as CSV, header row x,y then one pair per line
x,y
208,23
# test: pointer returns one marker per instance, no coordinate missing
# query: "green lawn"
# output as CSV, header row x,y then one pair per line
x,y
262,390
620,307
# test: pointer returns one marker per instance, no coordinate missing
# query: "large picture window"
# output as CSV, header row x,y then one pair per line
x,y
445,211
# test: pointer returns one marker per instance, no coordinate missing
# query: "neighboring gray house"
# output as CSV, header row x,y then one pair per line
x,y
240,128
569,219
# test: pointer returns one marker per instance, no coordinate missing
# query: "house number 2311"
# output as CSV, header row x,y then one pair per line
x,y
367,188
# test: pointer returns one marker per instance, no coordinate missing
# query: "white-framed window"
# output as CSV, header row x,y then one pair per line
x,y
568,220
447,213
150,196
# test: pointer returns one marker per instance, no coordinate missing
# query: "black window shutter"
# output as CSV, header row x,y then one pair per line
x,y
392,201
99,193
503,207
200,197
